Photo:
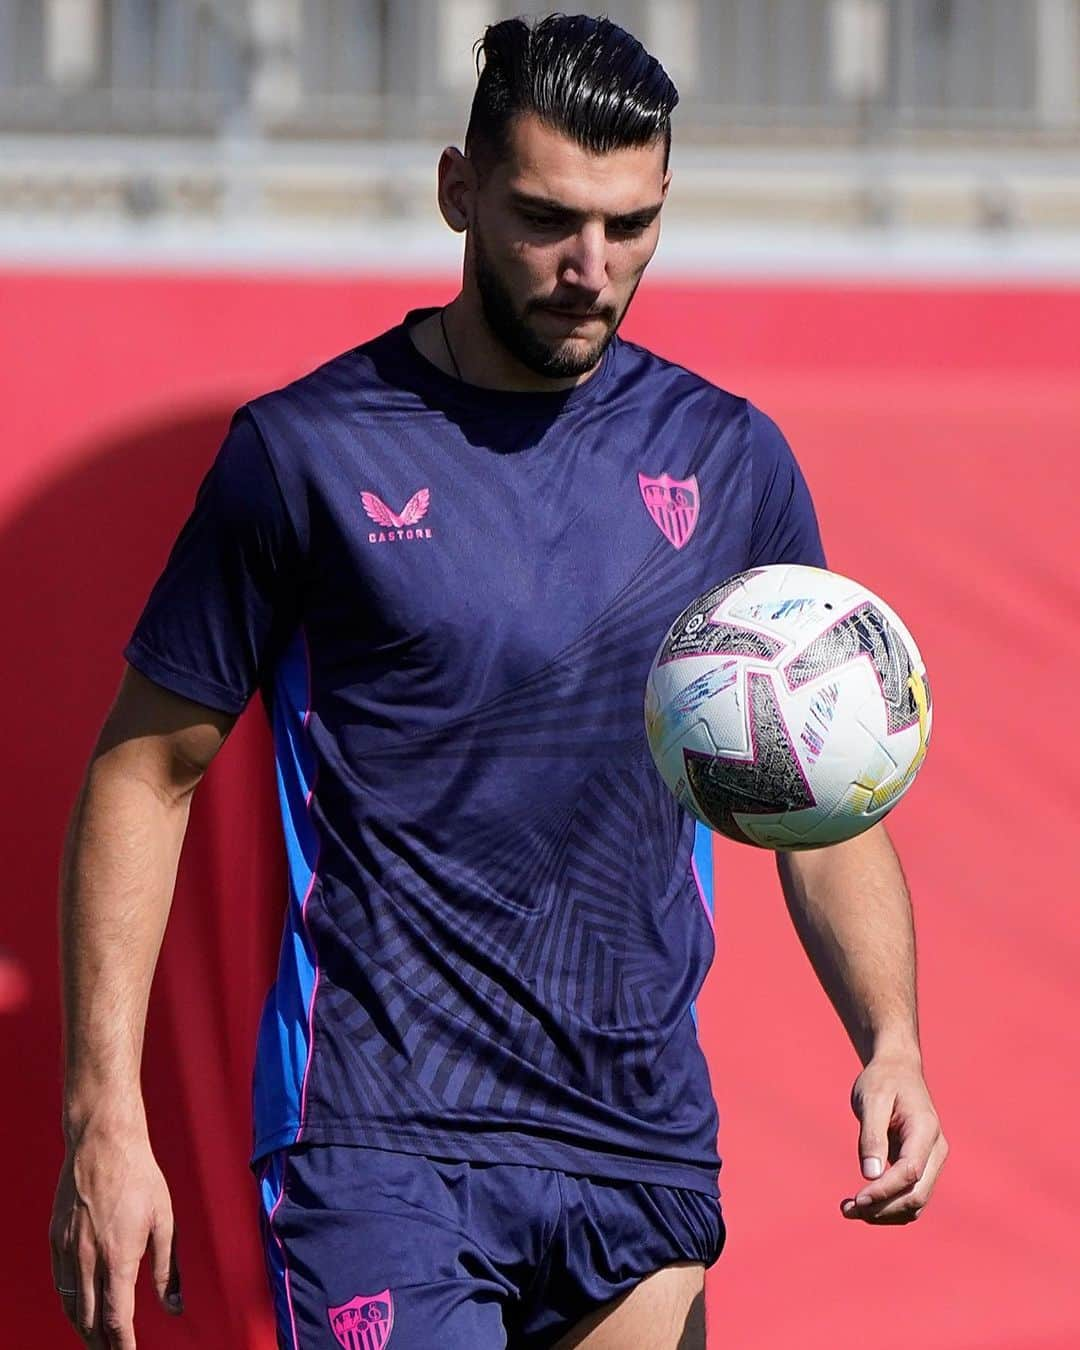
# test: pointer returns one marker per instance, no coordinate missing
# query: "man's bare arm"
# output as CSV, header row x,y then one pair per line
x,y
117,877
850,907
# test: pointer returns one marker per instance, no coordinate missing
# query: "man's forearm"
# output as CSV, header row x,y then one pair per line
x,y
116,885
849,904
112,1202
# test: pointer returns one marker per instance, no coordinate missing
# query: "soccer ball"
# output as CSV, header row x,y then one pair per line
x,y
788,708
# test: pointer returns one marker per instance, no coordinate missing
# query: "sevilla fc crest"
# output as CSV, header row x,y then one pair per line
x,y
673,505
365,1322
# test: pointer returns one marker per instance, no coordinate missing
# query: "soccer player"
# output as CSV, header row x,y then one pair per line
x,y
445,560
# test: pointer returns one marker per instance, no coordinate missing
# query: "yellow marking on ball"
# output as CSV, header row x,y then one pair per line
x,y
859,797
918,690
870,793
886,792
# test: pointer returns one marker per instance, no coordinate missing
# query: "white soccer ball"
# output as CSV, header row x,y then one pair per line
x,y
788,708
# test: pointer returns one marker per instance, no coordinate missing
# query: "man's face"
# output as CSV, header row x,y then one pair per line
x,y
558,240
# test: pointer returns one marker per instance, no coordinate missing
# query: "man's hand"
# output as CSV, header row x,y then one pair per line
x,y
850,907
901,1147
111,1204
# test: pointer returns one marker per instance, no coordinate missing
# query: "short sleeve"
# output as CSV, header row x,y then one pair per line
x,y
784,528
228,598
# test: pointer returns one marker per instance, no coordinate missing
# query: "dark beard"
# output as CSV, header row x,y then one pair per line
x,y
557,362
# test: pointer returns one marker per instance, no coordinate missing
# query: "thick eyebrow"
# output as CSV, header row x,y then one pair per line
x,y
645,216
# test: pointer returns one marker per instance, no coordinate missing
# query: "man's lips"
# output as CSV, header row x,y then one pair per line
x,y
562,313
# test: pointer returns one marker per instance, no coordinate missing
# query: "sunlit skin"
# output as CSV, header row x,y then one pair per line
x,y
564,233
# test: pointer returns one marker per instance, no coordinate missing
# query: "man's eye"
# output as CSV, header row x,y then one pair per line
x,y
541,222
626,229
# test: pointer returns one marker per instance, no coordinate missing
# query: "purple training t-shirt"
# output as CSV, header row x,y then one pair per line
x,y
449,599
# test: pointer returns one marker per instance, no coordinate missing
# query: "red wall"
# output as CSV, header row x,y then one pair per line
x,y
939,428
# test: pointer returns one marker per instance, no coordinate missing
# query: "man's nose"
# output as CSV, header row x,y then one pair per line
x,y
586,259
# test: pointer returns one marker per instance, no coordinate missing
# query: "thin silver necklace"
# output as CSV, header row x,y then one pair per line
x,y
446,340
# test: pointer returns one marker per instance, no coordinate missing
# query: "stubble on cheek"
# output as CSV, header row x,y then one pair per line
x,y
519,279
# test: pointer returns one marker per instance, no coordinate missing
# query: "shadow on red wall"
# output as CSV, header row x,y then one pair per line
x,y
78,561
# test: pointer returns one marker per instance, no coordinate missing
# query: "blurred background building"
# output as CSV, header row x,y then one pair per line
x,y
889,118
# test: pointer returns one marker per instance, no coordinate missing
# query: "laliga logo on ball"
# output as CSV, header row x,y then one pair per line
x,y
788,708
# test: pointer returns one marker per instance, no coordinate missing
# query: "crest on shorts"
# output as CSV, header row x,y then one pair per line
x,y
365,1322
673,505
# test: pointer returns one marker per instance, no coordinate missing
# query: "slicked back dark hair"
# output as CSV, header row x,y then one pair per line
x,y
586,78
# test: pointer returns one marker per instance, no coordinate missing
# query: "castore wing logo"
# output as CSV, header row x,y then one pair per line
x,y
395,526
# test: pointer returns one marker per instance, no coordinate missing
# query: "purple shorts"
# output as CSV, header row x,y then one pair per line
x,y
367,1248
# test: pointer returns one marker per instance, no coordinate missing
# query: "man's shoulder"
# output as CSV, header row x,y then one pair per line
x,y
667,380
335,385
299,423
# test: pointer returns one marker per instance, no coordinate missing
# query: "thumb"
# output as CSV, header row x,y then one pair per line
x,y
874,1112
165,1268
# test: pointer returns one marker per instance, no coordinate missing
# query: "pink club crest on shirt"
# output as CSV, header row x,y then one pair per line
x,y
673,504
365,1322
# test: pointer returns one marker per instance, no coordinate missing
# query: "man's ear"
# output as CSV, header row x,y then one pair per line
x,y
457,183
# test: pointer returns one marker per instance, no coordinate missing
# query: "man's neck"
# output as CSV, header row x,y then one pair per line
x,y
460,336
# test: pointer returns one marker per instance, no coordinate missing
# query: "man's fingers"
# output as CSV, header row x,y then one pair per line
x,y
905,1206
918,1139
903,1209
900,1177
165,1267
915,1142
88,1324
86,1285
174,1294
97,1340
74,1268
118,1305
63,1274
